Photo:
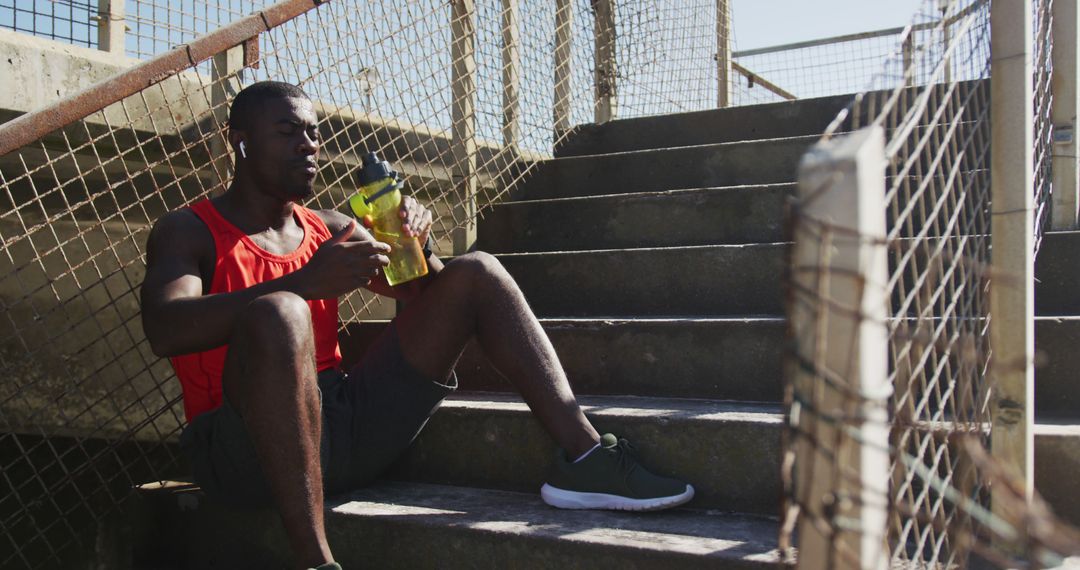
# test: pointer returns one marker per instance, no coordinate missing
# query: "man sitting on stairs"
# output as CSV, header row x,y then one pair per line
x,y
241,292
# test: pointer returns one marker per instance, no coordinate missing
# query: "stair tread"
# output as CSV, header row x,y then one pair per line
x,y
623,319
730,246
636,406
584,157
522,515
645,194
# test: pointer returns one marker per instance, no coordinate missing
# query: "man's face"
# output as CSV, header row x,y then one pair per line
x,y
283,148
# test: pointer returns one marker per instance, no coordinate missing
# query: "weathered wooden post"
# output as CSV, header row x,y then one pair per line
x,y
111,26
511,62
463,122
225,84
840,379
564,19
1012,196
604,82
723,54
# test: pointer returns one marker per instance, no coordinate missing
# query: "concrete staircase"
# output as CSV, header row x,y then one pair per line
x,y
652,250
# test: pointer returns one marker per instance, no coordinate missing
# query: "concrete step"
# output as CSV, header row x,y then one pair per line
x,y
1057,274
1057,394
678,281
1057,461
703,216
399,525
768,161
730,452
721,359
767,121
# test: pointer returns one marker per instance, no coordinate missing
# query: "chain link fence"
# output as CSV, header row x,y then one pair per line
x,y
462,97
88,412
930,417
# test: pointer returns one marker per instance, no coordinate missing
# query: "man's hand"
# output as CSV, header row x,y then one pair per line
x,y
340,266
415,219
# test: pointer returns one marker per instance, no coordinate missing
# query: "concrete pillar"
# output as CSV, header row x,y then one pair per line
x,y
463,121
604,81
1012,195
840,380
1066,97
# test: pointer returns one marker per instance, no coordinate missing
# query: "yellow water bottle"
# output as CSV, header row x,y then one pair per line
x,y
380,198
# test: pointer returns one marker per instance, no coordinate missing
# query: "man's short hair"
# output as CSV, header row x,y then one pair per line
x,y
248,103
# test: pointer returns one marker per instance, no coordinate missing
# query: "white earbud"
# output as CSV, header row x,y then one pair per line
x,y
243,151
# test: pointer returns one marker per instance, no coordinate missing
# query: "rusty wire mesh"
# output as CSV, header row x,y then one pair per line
x,y
86,410
933,104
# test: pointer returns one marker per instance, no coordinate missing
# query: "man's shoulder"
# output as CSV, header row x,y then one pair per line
x,y
333,219
183,221
181,228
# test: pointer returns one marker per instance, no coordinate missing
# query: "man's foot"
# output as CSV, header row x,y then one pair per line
x,y
610,478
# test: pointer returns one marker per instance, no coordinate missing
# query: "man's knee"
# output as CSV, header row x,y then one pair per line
x,y
274,319
479,267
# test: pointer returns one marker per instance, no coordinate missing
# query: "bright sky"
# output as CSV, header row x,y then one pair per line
x,y
761,23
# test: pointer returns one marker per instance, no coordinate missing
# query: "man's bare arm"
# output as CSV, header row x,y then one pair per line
x,y
179,319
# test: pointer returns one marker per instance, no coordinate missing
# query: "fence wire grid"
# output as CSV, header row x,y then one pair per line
x,y
931,98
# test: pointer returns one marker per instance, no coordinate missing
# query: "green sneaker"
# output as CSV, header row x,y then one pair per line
x,y
611,478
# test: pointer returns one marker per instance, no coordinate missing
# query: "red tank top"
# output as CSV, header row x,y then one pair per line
x,y
239,264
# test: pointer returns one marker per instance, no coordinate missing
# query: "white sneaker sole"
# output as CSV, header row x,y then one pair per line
x,y
564,499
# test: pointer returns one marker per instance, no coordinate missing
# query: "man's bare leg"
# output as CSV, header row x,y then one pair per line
x,y
270,379
474,296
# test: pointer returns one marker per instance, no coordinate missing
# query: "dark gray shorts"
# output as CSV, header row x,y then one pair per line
x,y
370,416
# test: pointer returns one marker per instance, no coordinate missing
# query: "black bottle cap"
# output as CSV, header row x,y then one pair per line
x,y
374,169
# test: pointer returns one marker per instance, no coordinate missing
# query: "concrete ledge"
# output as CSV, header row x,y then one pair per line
x,y
729,452
770,161
1057,461
1057,372
1057,274
395,525
706,216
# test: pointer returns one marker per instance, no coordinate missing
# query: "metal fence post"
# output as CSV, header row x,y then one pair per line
x,y
1066,99
510,63
111,27
1012,195
838,319
723,54
604,78
463,121
564,19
